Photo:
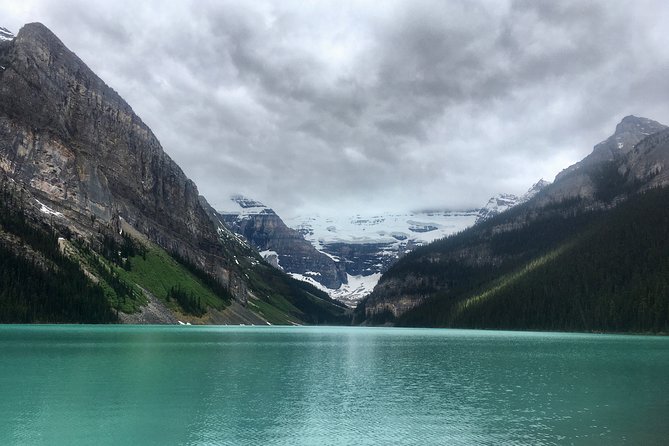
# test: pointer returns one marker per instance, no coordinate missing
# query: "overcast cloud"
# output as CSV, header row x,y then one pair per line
x,y
392,105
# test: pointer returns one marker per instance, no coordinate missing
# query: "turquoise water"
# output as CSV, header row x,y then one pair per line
x,y
114,385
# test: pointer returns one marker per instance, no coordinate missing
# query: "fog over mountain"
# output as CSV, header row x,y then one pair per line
x,y
397,106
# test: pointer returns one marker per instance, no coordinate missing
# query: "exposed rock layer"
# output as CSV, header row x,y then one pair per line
x,y
81,148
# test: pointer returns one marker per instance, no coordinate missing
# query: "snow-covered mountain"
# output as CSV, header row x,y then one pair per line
x,y
534,190
346,255
281,246
496,205
5,34
502,202
366,245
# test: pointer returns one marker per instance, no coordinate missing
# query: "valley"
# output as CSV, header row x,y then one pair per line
x,y
99,206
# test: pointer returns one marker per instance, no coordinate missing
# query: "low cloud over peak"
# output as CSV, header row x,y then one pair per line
x,y
396,106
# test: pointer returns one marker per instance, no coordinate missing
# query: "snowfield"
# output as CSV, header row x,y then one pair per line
x,y
391,235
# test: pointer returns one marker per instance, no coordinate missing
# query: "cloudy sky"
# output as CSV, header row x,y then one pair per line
x,y
371,105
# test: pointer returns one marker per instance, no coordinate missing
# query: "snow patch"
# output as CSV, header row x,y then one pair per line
x,y
268,252
47,210
244,208
5,35
357,288
311,280
415,228
271,257
351,293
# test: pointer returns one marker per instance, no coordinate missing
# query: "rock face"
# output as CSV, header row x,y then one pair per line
x,y
629,132
81,148
648,162
280,245
580,181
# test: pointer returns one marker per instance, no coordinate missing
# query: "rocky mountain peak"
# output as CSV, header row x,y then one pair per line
x,y
496,205
281,246
79,144
629,132
243,207
535,189
5,34
633,124
38,29
500,203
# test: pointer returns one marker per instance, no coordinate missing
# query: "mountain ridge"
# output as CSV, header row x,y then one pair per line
x,y
86,164
459,281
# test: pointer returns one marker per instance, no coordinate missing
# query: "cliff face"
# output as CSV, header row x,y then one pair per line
x,y
283,247
295,255
79,145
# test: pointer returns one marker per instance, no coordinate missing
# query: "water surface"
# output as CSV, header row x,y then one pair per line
x,y
110,385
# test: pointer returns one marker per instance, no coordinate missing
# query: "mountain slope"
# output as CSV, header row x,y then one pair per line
x,y
280,245
571,258
613,275
503,202
80,160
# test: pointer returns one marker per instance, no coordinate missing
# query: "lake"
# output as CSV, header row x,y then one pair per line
x,y
164,385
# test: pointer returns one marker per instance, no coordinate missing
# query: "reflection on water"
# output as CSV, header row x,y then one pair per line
x,y
329,386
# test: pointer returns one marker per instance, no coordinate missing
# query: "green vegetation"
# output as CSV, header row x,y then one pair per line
x,y
595,271
298,301
157,272
188,301
123,295
92,281
48,286
119,253
206,279
41,284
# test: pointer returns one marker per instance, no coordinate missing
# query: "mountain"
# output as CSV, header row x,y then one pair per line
x,y
367,245
342,256
281,246
5,34
496,205
584,179
587,252
80,168
503,202
345,256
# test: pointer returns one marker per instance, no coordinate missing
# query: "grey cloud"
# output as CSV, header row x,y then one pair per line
x,y
393,105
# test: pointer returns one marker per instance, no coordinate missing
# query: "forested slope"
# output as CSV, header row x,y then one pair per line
x,y
610,274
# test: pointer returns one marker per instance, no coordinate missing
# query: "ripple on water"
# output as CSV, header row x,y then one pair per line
x,y
329,386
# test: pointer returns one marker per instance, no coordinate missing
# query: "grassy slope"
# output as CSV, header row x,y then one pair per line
x,y
279,299
280,294
157,272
